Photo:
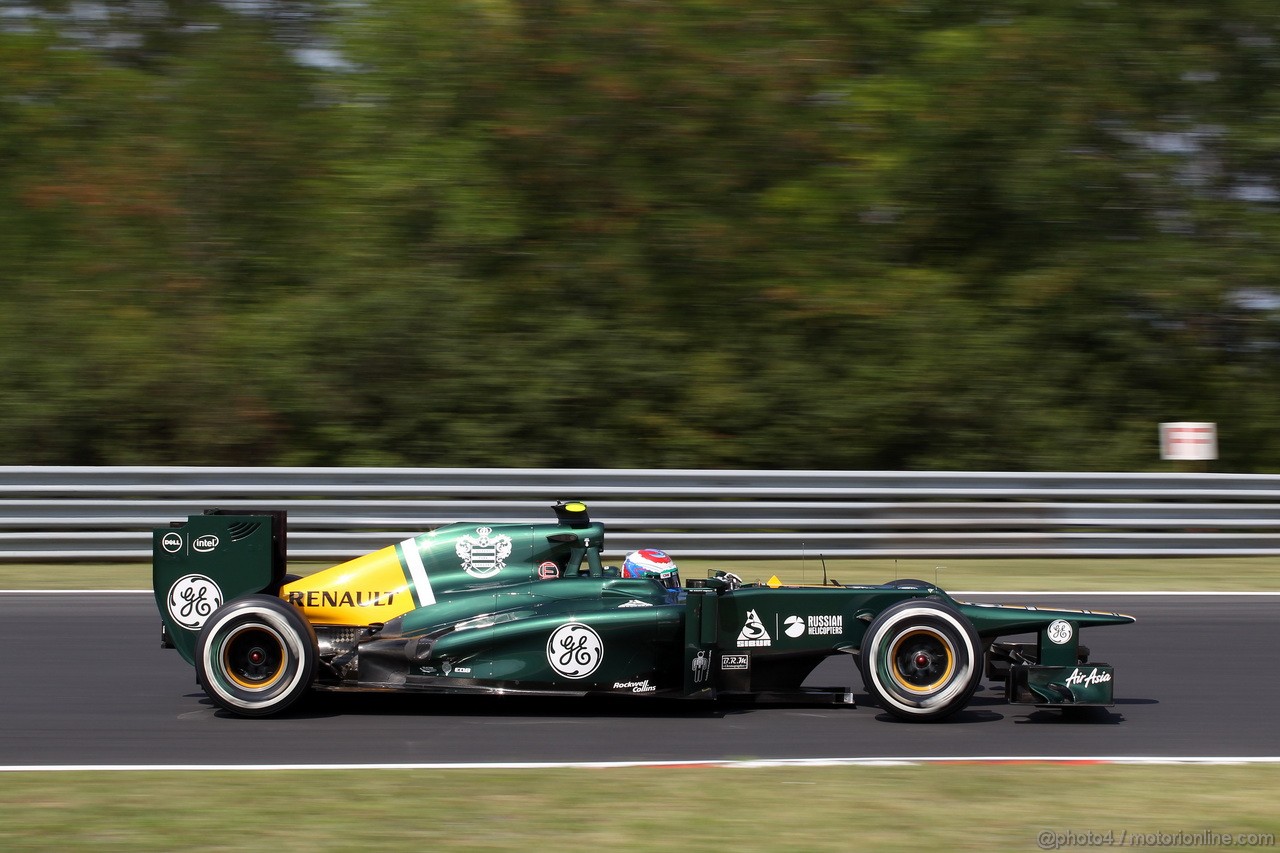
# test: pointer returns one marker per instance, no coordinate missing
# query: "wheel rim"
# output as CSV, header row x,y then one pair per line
x,y
253,657
921,660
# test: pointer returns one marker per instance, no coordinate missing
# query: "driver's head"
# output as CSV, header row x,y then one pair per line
x,y
654,564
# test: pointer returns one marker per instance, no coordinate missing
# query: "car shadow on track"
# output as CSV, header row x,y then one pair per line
x,y
968,716
321,705
1088,716
1071,717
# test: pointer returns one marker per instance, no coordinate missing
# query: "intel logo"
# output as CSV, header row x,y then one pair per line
x,y
205,544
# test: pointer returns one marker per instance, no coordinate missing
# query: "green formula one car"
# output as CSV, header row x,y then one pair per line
x,y
531,609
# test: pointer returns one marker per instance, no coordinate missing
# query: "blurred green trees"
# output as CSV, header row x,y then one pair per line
x,y
720,233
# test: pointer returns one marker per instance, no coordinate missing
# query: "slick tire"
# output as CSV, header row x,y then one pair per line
x,y
256,656
909,583
921,660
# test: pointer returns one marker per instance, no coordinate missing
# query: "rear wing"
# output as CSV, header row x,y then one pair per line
x,y
212,558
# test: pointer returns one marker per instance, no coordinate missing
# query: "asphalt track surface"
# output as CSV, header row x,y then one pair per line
x,y
83,681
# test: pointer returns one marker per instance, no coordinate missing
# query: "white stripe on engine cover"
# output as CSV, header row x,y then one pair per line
x,y
418,572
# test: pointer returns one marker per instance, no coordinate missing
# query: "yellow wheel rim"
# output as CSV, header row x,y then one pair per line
x,y
253,657
922,660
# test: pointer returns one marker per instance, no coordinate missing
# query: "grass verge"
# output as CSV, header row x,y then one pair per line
x,y
969,807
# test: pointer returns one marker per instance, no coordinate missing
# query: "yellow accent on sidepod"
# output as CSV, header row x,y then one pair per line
x,y
372,588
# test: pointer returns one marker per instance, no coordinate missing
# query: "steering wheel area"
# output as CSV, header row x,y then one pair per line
x,y
730,578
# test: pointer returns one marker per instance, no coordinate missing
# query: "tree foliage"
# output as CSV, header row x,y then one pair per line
x,y
707,233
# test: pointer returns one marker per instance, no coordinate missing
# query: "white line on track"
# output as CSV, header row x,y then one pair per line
x,y
671,765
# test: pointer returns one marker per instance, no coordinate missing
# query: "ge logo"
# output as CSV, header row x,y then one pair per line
x,y
192,598
1059,631
574,650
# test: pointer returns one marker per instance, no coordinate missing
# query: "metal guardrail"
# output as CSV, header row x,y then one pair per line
x,y
107,513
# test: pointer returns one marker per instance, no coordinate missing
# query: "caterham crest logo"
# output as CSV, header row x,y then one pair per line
x,y
484,555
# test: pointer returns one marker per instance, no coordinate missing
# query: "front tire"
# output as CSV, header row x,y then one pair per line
x,y
256,656
922,660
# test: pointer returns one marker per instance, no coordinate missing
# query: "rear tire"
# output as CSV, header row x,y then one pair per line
x,y
256,656
922,660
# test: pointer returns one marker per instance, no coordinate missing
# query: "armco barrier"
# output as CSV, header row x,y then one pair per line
x,y
106,513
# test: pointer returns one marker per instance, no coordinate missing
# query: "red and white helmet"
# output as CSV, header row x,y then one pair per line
x,y
654,564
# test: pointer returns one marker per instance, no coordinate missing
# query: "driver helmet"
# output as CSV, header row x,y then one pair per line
x,y
654,564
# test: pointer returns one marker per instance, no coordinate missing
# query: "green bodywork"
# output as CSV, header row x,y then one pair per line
x,y
1086,684
585,629
239,554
